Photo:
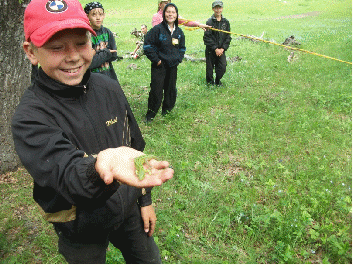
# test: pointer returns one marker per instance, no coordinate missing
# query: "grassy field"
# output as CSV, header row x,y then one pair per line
x,y
262,165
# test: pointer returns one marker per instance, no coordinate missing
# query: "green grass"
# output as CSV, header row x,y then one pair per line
x,y
262,166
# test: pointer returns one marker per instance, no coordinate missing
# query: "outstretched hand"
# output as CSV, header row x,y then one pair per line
x,y
118,164
204,26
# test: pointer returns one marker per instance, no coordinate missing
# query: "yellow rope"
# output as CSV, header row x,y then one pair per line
x,y
288,47
266,41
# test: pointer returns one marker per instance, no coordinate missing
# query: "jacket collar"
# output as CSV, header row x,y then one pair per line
x,y
214,18
62,90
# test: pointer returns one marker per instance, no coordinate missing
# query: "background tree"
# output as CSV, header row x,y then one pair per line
x,y
14,75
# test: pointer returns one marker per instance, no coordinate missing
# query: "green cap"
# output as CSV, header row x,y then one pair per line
x,y
217,3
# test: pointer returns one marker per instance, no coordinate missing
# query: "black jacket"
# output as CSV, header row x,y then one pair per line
x,y
216,39
56,130
159,44
102,60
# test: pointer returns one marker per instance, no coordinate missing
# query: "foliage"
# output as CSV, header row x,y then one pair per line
x,y
262,165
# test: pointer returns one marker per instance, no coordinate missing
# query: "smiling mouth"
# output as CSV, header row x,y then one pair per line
x,y
72,71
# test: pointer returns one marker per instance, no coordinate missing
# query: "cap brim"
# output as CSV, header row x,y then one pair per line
x,y
40,36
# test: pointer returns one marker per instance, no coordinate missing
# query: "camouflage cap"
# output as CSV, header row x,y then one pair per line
x,y
217,3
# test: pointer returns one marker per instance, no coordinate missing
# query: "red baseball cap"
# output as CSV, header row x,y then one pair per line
x,y
44,18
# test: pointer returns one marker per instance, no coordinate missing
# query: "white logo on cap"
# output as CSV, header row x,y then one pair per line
x,y
56,6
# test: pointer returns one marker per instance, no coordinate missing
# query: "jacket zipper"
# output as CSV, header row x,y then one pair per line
x,y
95,128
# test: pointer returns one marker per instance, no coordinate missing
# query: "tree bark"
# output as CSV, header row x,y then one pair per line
x,y
14,75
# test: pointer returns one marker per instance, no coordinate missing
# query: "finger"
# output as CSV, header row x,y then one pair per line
x,y
104,172
158,164
107,177
149,181
152,227
159,176
150,233
166,174
146,225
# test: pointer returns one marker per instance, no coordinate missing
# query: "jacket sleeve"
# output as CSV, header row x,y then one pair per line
x,y
53,161
100,58
182,48
208,37
150,45
112,46
227,38
187,23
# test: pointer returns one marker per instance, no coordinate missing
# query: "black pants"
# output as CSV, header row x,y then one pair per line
x,y
130,238
219,63
163,81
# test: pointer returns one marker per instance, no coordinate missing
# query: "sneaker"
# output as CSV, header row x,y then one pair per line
x,y
148,120
219,83
165,112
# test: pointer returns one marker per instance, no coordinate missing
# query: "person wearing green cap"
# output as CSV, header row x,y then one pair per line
x,y
216,44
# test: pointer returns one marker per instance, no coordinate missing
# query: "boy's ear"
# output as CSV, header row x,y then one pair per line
x,y
29,50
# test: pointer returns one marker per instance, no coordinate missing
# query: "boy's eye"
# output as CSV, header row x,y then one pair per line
x,y
56,48
82,43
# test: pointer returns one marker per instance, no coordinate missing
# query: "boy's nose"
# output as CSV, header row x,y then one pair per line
x,y
72,54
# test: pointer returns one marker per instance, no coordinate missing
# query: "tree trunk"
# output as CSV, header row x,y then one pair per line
x,y
14,75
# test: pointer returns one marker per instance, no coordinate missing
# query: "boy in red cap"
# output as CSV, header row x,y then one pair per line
x,y
76,135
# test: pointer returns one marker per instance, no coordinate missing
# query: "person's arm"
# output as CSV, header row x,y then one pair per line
x,y
227,38
100,58
189,23
137,47
53,161
112,47
150,45
182,47
58,165
208,37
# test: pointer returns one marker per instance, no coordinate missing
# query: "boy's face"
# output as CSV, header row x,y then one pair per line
x,y
217,10
65,57
96,17
143,30
170,14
